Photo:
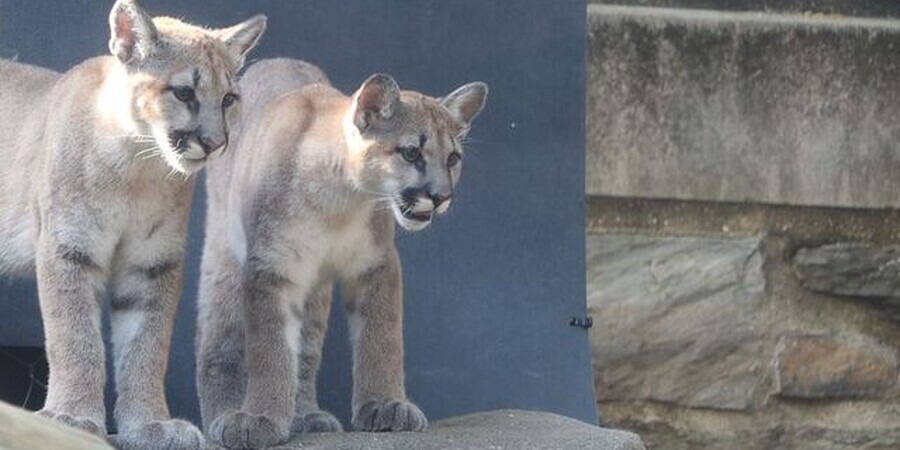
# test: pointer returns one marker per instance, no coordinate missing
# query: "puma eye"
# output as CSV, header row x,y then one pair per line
x,y
229,99
410,154
453,159
184,93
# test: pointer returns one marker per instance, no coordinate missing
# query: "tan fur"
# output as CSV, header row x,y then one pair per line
x,y
91,197
305,200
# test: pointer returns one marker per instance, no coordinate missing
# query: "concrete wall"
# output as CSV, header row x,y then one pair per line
x,y
723,326
732,107
869,8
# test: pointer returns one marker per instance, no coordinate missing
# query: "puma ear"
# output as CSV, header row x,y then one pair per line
x,y
466,102
376,102
241,38
133,36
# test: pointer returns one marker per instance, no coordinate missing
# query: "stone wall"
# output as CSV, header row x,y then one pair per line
x,y
720,326
743,231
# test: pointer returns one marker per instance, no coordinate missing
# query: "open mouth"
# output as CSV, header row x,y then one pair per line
x,y
417,216
409,211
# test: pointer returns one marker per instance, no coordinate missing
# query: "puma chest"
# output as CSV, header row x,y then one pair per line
x,y
351,247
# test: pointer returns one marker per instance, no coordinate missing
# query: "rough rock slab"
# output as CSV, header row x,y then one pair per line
x,y
22,430
831,367
496,430
850,269
665,310
733,106
853,270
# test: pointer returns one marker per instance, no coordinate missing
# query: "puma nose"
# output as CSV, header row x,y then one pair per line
x,y
439,199
210,145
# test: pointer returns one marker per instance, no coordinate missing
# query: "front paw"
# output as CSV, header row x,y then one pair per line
x,y
88,424
242,430
317,422
171,434
389,415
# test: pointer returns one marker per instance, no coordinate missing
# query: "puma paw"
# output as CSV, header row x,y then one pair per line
x,y
317,422
243,430
174,434
88,424
389,415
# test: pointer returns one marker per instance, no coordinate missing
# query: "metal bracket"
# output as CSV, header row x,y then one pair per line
x,y
581,322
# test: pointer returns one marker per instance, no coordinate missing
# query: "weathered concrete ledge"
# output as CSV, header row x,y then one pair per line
x,y
22,430
730,106
869,8
501,429
504,429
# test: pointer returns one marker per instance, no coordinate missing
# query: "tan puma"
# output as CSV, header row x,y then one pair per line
x,y
88,202
307,199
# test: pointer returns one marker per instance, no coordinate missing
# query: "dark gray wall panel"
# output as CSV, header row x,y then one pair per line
x,y
490,288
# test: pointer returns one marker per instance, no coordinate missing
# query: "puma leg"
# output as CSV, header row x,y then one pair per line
x,y
221,372
272,339
375,314
309,417
70,279
145,299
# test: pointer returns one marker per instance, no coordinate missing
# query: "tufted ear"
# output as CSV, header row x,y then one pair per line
x,y
133,36
376,101
241,38
466,102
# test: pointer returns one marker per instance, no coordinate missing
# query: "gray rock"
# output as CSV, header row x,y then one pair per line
x,y
853,270
665,310
833,367
497,430
850,269
23,430
730,106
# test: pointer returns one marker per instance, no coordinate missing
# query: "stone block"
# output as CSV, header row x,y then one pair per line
x,y
850,269
665,328
505,429
22,430
731,106
831,367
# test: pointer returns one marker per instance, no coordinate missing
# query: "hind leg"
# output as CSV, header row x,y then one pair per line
x,y
314,318
272,341
221,373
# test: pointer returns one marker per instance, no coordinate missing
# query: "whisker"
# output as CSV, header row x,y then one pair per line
x,y
377,193
383,207
137,137
145,151
173,170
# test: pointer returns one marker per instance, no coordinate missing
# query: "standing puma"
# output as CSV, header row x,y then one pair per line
x,y
88,202
307,199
